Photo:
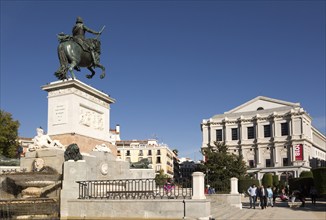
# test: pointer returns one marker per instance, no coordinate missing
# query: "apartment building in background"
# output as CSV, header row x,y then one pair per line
x,y
160,156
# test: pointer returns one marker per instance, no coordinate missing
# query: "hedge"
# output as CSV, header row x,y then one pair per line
x,y
267,180
276,181
306,174
302,184
320,180
243,184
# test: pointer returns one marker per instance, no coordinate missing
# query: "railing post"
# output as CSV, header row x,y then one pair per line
x,y
234,185
198,185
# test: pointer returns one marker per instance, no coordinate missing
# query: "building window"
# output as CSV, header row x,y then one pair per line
x,y
158,152
149,152
234,132
150,160
128,159
158,167
128,153
251,133
267,131
285,129
285,161
251,163
158,159
140,153
219,135
268,163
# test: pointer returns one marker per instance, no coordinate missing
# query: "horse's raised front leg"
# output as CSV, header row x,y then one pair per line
x,y
103,70
89,76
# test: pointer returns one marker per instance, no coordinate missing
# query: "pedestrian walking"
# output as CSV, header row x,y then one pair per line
x,y
270,196
262,194
313,194
252,190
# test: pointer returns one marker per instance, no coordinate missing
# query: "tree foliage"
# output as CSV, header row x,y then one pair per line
x,y
221,166
8,134
161,178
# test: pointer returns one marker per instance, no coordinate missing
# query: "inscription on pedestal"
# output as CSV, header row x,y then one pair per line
x,y
60,114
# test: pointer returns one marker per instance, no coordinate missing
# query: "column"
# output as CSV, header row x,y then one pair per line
x,y
275,154
257,154
198,184
234,186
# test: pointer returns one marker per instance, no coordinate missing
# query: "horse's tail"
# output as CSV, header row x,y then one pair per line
x,y
62,71
62,55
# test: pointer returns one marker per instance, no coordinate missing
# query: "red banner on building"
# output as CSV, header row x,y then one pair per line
x,y
298,152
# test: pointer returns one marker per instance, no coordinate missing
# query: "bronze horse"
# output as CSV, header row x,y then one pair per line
x,y
70,52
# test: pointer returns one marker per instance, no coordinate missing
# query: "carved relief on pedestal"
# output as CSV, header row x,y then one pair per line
x,y
91,118
104,168
38,164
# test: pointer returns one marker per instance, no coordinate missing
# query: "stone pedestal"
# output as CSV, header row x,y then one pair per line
x,y
234,185
78,113
48,157
198,184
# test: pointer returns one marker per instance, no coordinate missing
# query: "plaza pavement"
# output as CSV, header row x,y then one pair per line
x,y
280,211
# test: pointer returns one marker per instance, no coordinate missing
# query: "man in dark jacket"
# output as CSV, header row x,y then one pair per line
x,y
262,194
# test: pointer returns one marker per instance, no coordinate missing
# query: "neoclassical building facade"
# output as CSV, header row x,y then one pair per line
x,y
273,136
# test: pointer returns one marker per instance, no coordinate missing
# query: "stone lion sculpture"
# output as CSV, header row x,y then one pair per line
x,y
72,153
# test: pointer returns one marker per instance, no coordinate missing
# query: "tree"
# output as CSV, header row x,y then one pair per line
x,y
8,134
267,179
161,178
220,165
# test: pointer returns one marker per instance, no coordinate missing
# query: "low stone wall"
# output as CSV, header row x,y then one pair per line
x,y
226,199
145,209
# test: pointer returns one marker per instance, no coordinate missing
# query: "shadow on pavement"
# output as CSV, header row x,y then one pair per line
x,y
319,207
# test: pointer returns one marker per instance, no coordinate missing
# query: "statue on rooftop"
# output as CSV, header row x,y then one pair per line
x,y
76,51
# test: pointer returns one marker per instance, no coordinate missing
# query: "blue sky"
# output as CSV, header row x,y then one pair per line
x,y
169,64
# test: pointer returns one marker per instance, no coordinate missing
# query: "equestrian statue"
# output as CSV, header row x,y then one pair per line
x,y
76,51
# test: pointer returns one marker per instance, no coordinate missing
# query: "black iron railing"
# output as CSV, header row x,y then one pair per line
x,y
132,189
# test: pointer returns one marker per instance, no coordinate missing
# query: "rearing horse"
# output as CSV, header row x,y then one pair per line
x,y
72,53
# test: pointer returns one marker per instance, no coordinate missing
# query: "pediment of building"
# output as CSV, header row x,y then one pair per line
x,y
262,103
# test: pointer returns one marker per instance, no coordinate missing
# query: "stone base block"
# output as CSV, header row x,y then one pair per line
x,y
49,157
85,144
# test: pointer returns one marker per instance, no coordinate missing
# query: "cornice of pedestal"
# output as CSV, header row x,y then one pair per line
x,y
77,87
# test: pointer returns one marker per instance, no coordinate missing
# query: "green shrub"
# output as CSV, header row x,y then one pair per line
x,y
267,180
276,181
320,180
306,174
244,183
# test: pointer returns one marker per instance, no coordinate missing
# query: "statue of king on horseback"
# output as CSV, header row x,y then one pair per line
x,y
76,51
